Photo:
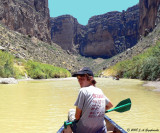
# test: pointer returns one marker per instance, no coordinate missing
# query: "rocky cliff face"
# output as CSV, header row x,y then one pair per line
x,y
113,32
30,17
22,46
104,36
149,15
65,31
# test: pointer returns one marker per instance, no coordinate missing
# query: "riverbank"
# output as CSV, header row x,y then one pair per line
x,y
8,81
155,84
15,81
51,79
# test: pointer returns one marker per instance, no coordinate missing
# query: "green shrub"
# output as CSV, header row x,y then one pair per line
x,y
9,67
144,66
6,65
150,69
37,70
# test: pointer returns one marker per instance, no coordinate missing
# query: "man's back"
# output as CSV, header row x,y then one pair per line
x,y
92,102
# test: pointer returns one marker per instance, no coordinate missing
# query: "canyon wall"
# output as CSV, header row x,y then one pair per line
x,y
104,35
149,15
29,17
66,32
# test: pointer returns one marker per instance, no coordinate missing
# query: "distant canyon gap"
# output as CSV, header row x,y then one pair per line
x,y
104,36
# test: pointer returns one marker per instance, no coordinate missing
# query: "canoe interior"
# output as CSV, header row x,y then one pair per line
x,y
112,127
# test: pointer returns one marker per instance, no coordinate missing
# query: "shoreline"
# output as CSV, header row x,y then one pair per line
x,y
155,84
52,79
15,81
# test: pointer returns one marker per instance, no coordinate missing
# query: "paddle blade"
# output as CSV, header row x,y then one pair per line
x,y
124,105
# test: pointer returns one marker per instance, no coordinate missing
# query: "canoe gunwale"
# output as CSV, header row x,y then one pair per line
x,y
61,129
115,125
106,117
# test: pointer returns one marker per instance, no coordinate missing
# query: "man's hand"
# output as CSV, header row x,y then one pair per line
x,y
109,105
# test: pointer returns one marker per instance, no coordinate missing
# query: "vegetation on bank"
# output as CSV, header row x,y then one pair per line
x,y
145,66
37,70
6,65
17,68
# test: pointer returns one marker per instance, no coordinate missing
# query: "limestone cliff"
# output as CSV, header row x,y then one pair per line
x,y
24,47
114,31
104,35
30,17
149,15
65,31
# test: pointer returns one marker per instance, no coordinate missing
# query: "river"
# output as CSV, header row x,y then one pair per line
x,y
42,106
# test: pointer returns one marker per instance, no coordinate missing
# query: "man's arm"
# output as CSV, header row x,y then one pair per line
x,y
78,113
109,105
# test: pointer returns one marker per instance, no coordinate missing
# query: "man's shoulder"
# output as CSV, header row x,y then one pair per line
x,y
83,89
86,88
89,89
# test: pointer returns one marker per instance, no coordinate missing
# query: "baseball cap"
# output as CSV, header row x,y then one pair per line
x,y
85,70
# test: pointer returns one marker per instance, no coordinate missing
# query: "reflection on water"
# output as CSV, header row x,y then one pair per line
x,y
42,106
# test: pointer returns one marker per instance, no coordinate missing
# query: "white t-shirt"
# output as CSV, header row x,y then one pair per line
x,y
92,102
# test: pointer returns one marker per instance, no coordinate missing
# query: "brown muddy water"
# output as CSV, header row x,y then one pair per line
x,y
42,106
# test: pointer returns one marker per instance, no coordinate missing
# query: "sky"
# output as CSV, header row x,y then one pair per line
x,y
85,9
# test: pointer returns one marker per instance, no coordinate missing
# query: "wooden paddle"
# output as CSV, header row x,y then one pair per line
x,y
122,106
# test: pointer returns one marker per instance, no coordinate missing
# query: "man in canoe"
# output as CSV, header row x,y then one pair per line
x,y
91,104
